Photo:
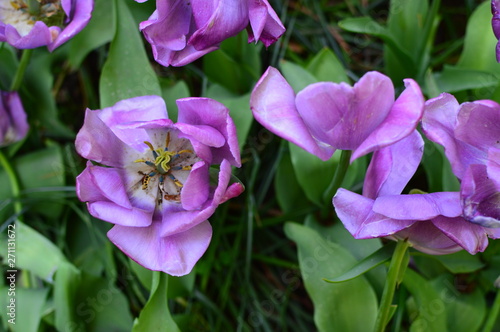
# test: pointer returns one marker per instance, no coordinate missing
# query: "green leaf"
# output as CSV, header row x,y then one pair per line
x,y
460,262
297,76
377,258
155,316
29,308
289,194
326,67
453,79
426,318
480,42
172,92
127,72
9,62
99,31
67,281
334,304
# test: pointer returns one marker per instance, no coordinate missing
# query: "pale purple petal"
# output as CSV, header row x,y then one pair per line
x,y
392,167
195,191
175,255
265,24
471,237
419,206
227,18
273,106
206,135
39,35
78,15
493,166
356,213
209,112
480,197
402,120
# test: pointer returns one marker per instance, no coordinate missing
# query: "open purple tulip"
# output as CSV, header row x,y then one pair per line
x,y
33,23
495,23
327,116
183,31
470,135
13,124
432,223
151,178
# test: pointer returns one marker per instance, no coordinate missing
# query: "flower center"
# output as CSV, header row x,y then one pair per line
x,y
166,166
22,14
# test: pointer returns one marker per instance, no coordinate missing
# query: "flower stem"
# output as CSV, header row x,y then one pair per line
x,y
390,285
339,176
493,314
14,183
18,78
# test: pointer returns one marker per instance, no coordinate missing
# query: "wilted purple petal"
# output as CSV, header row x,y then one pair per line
x,y
392,167
273,106
175,255
480,197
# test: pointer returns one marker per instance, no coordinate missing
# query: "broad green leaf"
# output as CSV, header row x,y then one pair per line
x,y
155,316
172,92
35,253
426,318
465,311
313,174
67,281
379,257
127,72
99,31
289,194
460,262
29,308
480,42
326,67
334,304
453,79
296,76
9,62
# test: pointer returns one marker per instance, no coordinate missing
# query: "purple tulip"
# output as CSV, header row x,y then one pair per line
x,y
13,124
183,31
432,223
50,24
150,177
495,23
327,116
470,135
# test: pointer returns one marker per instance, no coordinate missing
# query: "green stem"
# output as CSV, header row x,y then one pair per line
x,y
390,286
339,176
493,314
14,182
18,79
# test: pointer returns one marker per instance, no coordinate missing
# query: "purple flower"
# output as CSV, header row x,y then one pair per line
x,y
495,23
13,124
470,135
327,116
50,24
432,223
183,31
151,178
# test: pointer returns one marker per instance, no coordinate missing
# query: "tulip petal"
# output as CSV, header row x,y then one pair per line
x,y
265,24
175,255
469,236
273,106
402,120
78,14
392,167
419,206
195,191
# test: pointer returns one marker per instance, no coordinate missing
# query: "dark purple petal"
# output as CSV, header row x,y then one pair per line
x,y
13,122
480,197
392,167
216,21
209,112
401,121
419,206
175,255
471,237
356,213
265,24
273,106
